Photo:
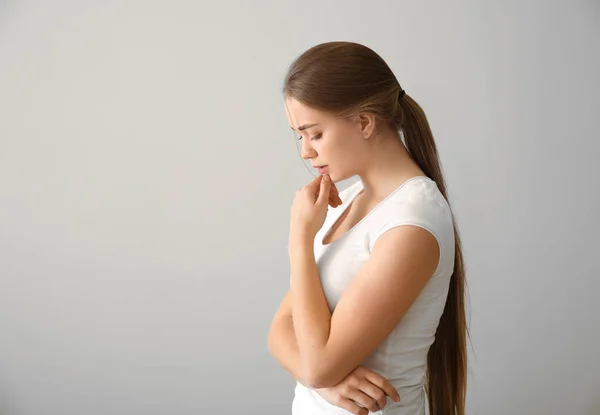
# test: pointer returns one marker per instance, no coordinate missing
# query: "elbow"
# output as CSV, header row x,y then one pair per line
x,y
317,383
314,382
322,377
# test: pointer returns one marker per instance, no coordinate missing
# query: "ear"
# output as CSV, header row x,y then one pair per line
x,y
366,123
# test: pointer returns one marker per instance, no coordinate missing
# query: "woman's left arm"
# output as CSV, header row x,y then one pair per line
x,y
402,261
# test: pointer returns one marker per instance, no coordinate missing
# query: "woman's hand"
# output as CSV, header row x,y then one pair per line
x,y
310,206
363,390
334,196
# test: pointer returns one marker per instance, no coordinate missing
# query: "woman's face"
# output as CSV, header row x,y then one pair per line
x,y
328,141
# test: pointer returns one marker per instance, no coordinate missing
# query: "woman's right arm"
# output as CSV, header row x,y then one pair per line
x,y
362,386
282,340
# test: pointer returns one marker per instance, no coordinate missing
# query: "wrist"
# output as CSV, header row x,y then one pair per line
x,y
301,240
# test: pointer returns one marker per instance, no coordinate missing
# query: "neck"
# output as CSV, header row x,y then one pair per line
x,y
391,166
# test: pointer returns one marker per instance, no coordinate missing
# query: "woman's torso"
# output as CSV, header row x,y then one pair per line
x,y
401,357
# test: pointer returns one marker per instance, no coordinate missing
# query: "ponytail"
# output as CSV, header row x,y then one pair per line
x,y
446,382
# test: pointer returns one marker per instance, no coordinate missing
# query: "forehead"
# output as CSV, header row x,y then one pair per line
x,y
299,114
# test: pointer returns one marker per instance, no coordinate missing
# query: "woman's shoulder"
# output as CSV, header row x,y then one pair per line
x,y
419,202
420,195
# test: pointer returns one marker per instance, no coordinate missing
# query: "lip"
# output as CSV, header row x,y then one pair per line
x,y
322,169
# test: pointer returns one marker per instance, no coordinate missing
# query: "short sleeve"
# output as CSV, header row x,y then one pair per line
x,y
424,207
392,225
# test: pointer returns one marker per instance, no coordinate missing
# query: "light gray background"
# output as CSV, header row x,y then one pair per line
x,y
147,170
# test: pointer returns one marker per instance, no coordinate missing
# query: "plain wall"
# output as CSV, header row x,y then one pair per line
x,y
147,171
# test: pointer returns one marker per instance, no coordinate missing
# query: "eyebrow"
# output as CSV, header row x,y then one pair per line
x,y
304,127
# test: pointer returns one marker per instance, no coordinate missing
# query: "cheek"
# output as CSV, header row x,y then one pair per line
x,y
335,148
340,153
340,159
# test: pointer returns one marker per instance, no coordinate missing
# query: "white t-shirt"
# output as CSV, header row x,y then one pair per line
x,y
402,357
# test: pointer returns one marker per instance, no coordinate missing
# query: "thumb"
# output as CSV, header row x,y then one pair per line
x,y
324,190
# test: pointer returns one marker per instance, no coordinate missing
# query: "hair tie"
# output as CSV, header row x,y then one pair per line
x,y
401,94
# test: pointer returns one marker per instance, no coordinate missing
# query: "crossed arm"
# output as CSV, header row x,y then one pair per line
x,y
319,348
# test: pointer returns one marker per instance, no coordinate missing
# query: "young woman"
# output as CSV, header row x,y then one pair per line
x,y
374,319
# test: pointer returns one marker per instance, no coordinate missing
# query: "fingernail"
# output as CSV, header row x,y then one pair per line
x,y
326,177
397,398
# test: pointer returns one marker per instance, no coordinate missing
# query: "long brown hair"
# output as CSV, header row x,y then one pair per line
x,y
344,79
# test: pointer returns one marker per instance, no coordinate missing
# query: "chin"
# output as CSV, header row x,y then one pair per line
x,y
333,179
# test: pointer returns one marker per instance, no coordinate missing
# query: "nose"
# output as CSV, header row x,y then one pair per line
x,y
307,150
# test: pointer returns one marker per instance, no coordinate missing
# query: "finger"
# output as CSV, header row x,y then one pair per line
x,y
324,190
352,407
334,200
314,187
331,201
334,191
335,195
315,183
363,400
374,392
382,383
334,188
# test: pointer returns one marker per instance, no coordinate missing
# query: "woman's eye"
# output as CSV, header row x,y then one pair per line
x,y
316,137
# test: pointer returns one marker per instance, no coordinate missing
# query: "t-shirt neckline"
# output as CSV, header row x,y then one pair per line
x,y
359,188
